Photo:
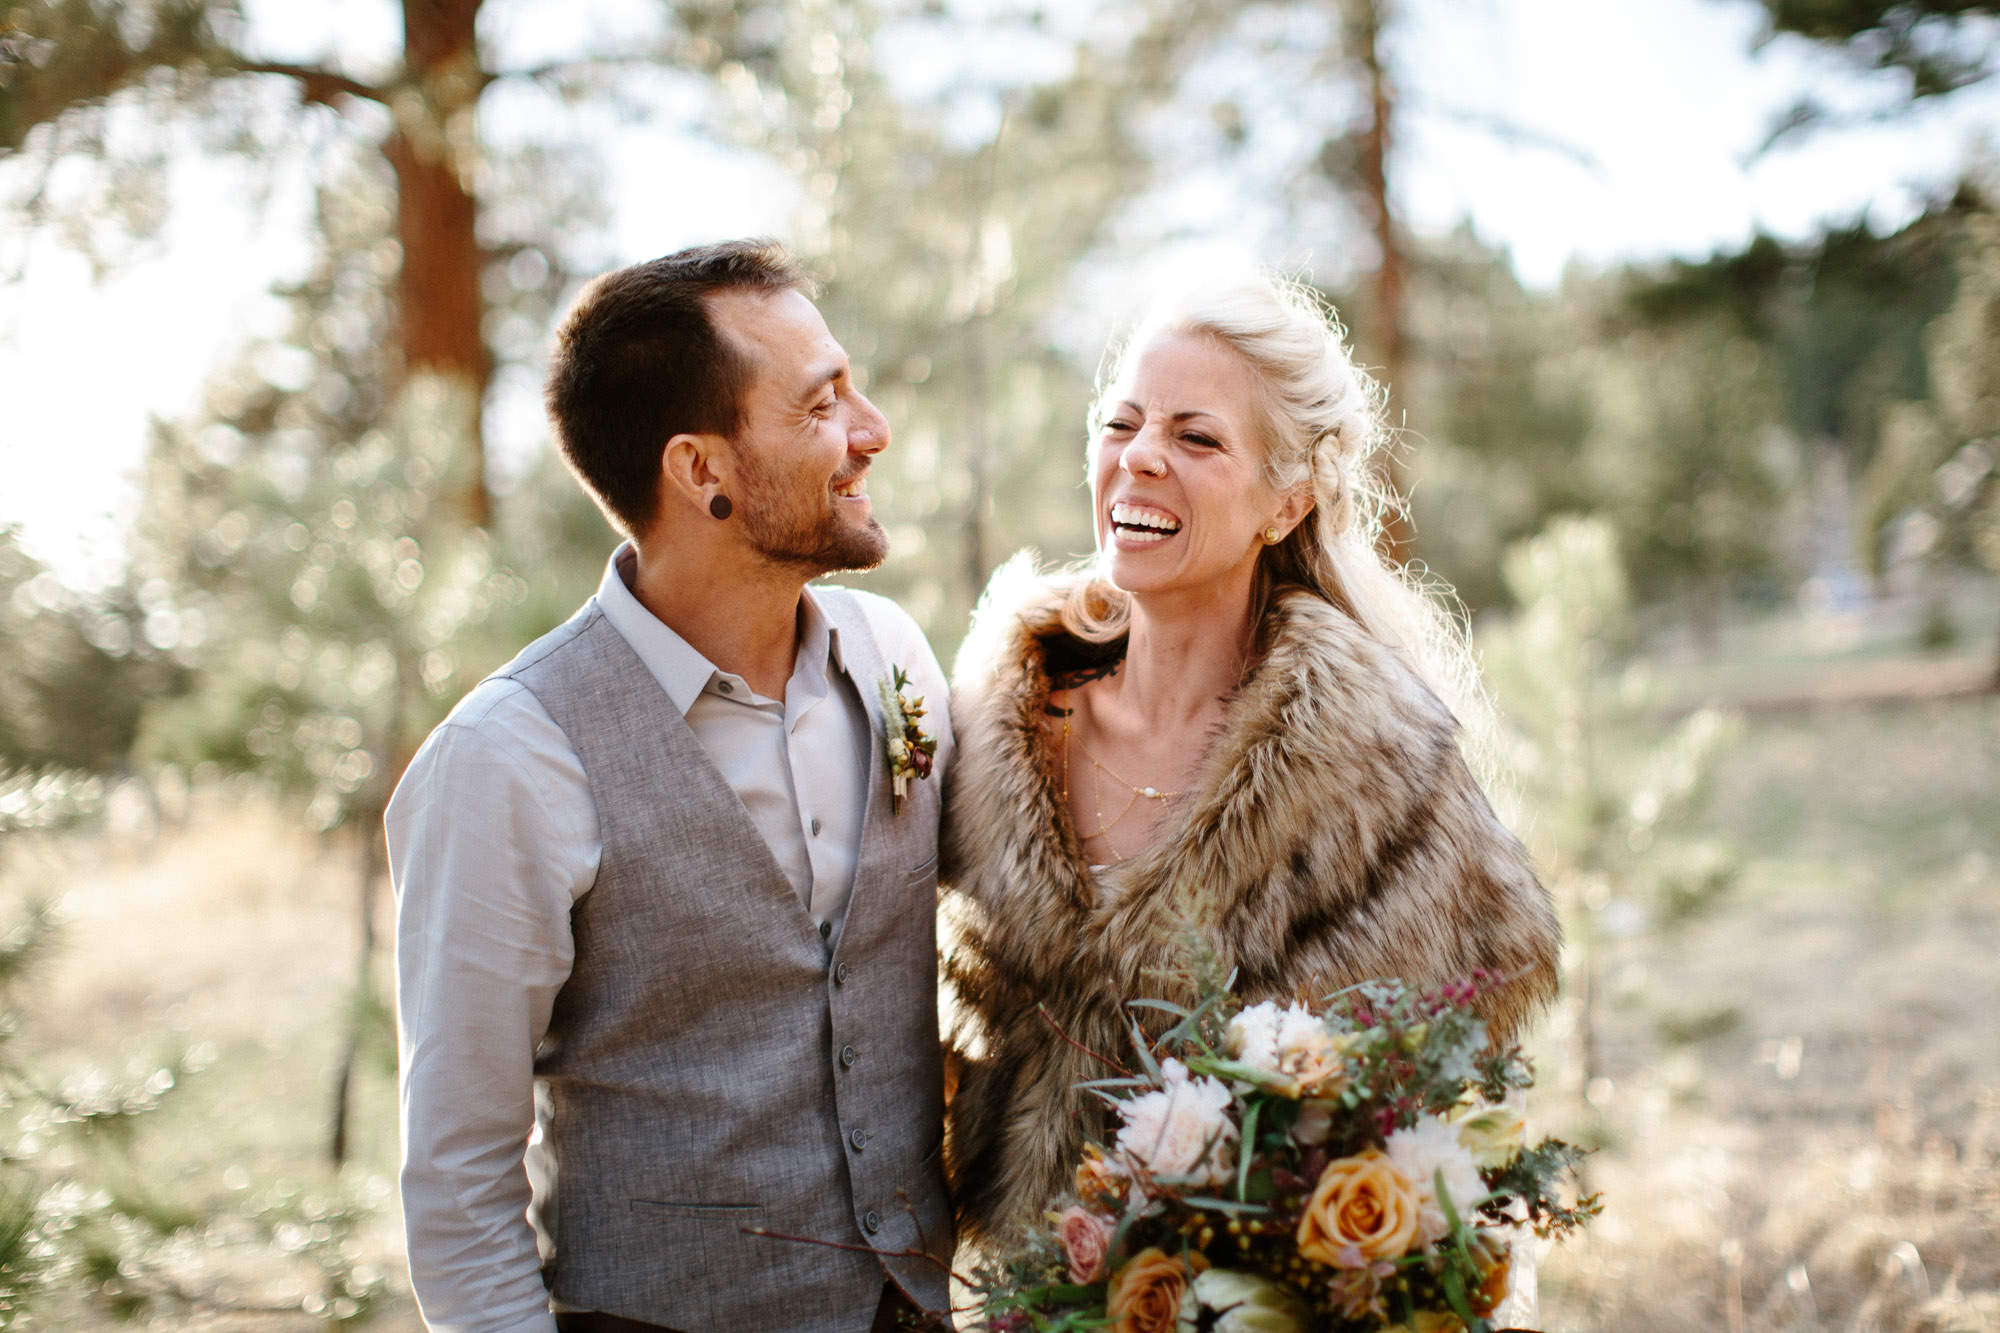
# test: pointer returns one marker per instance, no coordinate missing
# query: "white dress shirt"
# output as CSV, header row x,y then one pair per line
x,y
493,837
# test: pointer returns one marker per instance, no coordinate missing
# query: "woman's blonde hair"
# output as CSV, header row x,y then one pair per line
x,y
1322,429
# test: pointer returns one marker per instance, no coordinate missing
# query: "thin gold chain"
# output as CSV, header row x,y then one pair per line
x,y
1150,793
1105,826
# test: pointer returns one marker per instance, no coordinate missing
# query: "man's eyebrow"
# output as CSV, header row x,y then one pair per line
x,y
821,379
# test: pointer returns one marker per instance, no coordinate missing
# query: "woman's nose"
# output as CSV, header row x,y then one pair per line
x,y
1144,457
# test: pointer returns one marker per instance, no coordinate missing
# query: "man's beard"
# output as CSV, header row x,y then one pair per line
x,y
788,528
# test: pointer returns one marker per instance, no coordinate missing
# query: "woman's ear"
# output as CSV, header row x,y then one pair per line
x,y
1293,508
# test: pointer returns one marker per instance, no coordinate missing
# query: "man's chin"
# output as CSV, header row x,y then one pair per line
x,y
860,551
844,551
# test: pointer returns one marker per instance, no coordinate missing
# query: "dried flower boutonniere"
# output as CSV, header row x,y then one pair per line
x,y
910,750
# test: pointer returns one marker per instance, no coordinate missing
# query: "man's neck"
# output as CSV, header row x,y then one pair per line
x,y
742,616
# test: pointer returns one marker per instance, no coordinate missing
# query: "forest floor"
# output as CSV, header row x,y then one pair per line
x,y
1796,1096
1797,1091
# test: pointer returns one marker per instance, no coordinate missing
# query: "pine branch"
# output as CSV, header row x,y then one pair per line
x,y
316,85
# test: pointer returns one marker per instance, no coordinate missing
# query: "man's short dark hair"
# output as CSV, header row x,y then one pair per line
x,y
638,360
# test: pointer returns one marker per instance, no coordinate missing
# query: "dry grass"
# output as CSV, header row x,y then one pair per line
x,y
1802,1117
236,938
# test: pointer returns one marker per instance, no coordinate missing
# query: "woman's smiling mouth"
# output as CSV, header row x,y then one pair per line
x,y
1141,524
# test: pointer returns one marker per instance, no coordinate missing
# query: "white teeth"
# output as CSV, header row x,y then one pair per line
x,y
1127,515
848,490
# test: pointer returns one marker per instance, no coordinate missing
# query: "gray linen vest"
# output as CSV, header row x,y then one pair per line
x,y
711,1064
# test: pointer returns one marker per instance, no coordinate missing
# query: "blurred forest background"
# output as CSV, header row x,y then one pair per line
x,y
1728,529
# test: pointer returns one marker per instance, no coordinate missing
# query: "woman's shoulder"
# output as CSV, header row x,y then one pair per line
x,y
1321,656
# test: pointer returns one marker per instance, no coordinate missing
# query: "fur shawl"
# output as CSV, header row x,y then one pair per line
x,y
1334,835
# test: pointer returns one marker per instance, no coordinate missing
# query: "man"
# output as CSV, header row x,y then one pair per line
x,y
657,901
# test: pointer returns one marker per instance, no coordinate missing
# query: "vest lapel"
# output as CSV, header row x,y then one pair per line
x,y
701,795
861,662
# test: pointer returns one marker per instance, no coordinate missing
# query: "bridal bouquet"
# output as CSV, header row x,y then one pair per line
x,y
1277,1170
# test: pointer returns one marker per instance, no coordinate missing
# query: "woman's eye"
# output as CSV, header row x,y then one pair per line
x,y
1118,424
1194,437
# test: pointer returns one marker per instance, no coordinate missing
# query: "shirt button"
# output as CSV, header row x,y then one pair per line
x,y
815,826
725,687
848,1055
871,1221
825,929
859,1138
840,973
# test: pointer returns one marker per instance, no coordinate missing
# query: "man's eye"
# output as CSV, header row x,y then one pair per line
x,y
825,408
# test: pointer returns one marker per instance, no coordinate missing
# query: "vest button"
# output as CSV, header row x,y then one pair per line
x,y
859,1138
871,1221
825,929
848,1055
840,973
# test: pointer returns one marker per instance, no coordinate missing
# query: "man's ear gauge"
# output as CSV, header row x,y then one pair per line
x,y
720,507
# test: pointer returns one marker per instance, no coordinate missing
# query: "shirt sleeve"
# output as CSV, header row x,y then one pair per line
x,y
492,836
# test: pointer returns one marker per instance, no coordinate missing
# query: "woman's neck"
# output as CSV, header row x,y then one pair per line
x,y
1179,665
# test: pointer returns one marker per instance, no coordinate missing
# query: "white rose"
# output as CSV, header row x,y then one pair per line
x,y
1183,1129
1493,1135
1246,1303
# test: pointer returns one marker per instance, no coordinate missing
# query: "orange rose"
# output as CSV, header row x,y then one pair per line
x,y
1145,1295
1362,1205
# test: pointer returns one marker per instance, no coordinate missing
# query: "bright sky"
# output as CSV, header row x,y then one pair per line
x,y
1662,94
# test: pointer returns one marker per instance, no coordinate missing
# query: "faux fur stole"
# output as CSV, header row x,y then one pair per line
x,y
1333,835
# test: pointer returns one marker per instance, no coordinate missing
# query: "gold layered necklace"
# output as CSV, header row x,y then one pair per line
x,y
1137,792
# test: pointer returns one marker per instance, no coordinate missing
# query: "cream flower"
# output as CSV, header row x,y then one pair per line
x,y
1253,1037
1315,1122
1422,1151
1183,1129
1493,1135
1245,1302
1307,1051
1290,1043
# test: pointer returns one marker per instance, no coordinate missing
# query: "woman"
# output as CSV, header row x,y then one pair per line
x,y
1222,740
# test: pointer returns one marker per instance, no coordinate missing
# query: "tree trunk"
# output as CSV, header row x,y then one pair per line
x,y
1364,27
433,150
362,1001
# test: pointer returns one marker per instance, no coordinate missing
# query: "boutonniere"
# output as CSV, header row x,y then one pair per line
x,y
909,749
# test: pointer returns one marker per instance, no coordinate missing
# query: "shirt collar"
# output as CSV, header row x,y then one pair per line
x,y
681,670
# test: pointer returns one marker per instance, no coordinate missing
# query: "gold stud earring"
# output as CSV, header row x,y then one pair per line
x,y
1272,536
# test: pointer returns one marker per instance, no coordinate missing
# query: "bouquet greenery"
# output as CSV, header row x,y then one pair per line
x,y
1278,1170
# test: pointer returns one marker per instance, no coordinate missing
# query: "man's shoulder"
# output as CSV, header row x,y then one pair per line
x,y
491,704
546,646
873,606
895,630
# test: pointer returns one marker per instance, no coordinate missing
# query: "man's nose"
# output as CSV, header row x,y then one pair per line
x,y
869,433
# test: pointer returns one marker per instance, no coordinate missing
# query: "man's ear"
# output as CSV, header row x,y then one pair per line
x,y
695,468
